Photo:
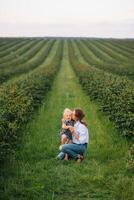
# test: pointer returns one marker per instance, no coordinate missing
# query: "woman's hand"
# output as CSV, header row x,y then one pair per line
x,y
71,129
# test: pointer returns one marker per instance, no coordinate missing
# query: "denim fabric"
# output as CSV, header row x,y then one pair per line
x,y
61,156
73,149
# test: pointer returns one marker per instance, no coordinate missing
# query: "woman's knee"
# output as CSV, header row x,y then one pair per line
x,y
64,147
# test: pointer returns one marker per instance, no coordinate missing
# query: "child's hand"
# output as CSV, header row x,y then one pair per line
x,y
64,126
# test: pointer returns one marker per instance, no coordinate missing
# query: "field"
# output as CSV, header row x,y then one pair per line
x,y
39,77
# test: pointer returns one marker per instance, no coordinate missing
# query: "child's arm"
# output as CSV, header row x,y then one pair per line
x,y
65,126
62,120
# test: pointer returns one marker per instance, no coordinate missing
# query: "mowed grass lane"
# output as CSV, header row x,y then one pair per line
x,y
36,174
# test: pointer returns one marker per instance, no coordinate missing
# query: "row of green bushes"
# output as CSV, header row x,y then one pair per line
x,y
122,46
105,57
7,41
115,67
128,43
19,51
104,44
17,60
19,99
125,55
38,58
4,42
130,164
114,93
10,46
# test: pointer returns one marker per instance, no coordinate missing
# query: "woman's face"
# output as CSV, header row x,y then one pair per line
x,y
73,116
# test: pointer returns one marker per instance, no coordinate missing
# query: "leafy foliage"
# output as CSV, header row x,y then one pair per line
x,y
114,93
19,99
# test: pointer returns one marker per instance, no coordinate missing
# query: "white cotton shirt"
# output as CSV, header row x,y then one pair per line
x,y
82,131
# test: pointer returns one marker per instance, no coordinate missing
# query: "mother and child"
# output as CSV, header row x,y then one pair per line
x,y
74,135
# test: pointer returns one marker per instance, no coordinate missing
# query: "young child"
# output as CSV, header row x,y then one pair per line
x,y
65,135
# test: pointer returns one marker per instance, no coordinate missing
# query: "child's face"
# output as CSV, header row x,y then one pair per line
x,y
67,116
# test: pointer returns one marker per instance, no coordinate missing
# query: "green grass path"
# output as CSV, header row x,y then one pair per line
x,y
38,175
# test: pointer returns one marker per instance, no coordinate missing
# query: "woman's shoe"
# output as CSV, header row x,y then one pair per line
x,y
79,156
79,160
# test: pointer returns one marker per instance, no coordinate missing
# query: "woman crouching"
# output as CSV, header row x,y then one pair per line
x,y
80,137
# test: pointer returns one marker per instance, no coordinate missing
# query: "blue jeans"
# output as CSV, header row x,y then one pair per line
x,y
72,150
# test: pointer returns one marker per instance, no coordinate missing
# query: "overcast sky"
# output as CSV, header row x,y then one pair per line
x,y
87,18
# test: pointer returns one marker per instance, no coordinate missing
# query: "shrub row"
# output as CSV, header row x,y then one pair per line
x,y
24,58
122,46
126,56
98,52
113,53
6,74
130,163
114,93
21,50
10,46
114,67
19,99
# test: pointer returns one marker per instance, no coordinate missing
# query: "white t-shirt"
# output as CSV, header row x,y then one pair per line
x,y
82,131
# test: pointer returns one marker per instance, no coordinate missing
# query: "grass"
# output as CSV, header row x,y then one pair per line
x,y
35,173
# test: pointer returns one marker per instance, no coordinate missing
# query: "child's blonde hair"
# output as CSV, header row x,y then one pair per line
x,y
67,110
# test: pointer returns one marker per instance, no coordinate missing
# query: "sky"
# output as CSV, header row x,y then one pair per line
x,y
67,18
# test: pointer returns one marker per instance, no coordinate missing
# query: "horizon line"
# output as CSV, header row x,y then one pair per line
x,y
91,37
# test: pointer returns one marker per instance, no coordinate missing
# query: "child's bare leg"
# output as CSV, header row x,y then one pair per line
x,y
67,141
66,155
63,139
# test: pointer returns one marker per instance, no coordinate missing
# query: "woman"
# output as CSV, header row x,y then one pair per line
x,y
80,137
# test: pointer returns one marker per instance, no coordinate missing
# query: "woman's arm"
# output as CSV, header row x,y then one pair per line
x,y
82,137
71,129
